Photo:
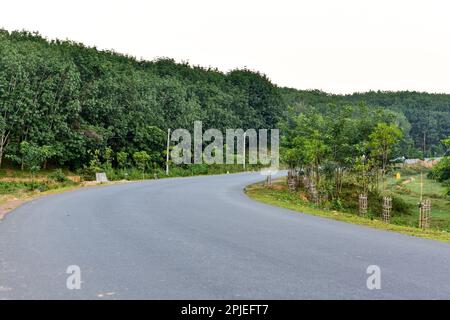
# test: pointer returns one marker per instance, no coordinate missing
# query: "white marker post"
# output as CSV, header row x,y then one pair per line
x,y
167,156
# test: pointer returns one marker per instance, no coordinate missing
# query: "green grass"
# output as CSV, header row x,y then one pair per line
x,y
13,173
280,196
408,189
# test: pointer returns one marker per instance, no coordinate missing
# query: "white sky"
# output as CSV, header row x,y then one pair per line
x,y
338,46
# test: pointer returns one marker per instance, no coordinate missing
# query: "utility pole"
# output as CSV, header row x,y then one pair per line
x,y
167,155
364,173
421,169
244,149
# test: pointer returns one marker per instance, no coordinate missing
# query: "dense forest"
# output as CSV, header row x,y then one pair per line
x,y
76,100
421,115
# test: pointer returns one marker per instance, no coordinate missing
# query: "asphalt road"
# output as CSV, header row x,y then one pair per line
x,y
202,238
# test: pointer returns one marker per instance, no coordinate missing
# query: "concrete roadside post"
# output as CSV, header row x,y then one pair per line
x,y
101,177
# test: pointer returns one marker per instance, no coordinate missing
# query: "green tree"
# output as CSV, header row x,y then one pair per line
x,y
446,143
382,141
33,156
121,158
441,171
108,156
141,160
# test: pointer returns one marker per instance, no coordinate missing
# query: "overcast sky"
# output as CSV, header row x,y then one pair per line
x,y
338,46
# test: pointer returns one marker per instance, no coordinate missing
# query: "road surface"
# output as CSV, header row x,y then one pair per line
x,y
202,238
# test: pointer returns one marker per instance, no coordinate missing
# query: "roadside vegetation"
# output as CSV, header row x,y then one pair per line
x,y
18,184
279,195
408,189
341,156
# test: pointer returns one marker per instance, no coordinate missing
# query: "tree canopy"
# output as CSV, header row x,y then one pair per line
x,y
75,100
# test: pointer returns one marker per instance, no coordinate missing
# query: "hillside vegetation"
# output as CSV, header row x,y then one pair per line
x,y
76,100
419,114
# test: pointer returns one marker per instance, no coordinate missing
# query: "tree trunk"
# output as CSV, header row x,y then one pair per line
x,y
3,142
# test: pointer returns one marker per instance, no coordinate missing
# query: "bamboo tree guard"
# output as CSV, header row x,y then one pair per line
x,y
387,206
305,183
310,188
424,214
362,204
292,180
313,192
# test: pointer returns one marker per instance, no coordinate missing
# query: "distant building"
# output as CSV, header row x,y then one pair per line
x,y
430,162
411,162
427,162
398,160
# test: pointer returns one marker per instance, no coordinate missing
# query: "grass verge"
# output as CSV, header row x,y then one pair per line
x,y
408,188
279,195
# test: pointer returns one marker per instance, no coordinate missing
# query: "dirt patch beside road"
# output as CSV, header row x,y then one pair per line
x,y
10,202
9,205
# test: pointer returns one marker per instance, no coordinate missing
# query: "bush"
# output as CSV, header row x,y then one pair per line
x,y
36,185
447,185
410,171
441,171
11,187
58,176
42,187
14,187
87,173
400,206
336,204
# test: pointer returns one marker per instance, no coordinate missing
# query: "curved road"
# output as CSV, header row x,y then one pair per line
x,y
201,237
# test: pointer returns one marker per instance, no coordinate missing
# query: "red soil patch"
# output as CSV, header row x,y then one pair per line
x,y
8,206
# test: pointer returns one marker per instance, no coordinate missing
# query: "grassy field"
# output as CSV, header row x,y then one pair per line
x,y
279,195
408,188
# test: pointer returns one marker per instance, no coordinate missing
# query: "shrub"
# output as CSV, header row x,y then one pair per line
x,y
447,185
42,187
122,159
336,204
441,171
409,171
87,173
400,206
141,160
58,176
11,187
